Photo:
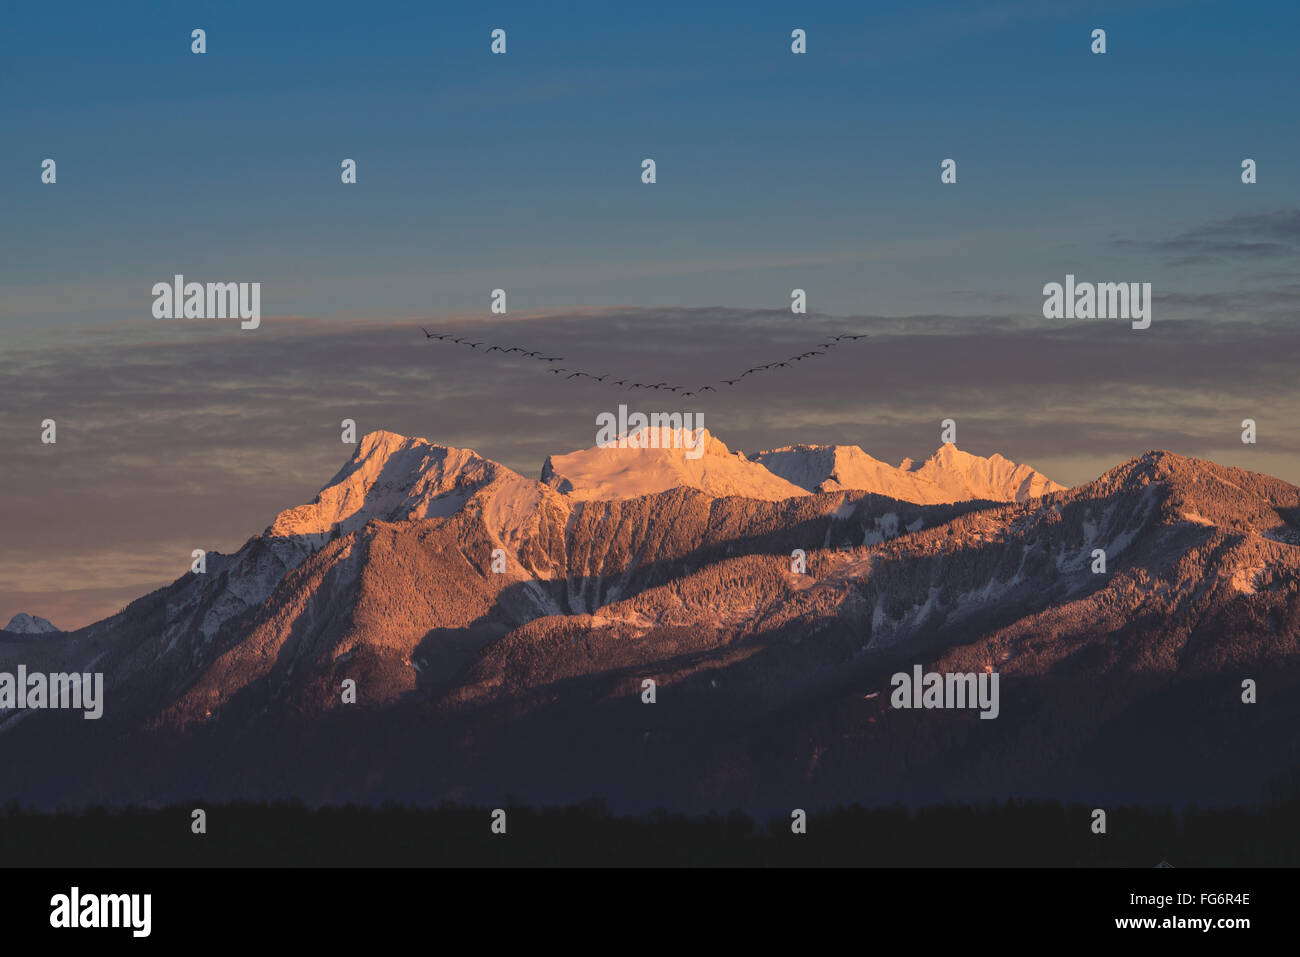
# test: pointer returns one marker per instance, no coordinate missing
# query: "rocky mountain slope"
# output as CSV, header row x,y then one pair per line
x,y
499,631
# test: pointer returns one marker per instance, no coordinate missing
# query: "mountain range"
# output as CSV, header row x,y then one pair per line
x,y
500,631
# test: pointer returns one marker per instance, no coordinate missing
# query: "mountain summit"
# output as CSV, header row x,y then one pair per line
x,y
949,475
394,478
646,461
24,624
964,476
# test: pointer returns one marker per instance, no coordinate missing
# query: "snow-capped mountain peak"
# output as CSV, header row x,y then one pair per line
x,y
949,475
961,475
649,460
24,624
830,468
393,478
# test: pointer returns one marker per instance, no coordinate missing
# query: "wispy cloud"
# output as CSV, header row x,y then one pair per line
x,y
173,436
1246,236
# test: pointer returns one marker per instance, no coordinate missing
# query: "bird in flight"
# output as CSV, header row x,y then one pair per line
x,y
819,350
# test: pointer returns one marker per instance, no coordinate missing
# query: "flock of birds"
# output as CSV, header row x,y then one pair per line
x,y
626,382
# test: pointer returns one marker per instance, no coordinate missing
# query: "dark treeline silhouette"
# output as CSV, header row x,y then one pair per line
x,y
1014,833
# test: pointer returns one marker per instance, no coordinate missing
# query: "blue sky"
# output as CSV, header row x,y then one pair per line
x,y
522,171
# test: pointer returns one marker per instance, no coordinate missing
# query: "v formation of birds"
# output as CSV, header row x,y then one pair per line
x,y
626,382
